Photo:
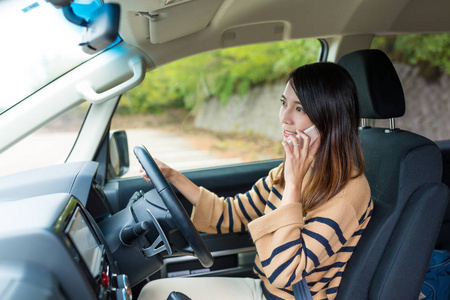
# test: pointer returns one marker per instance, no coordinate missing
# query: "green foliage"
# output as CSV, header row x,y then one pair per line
x,y
431,52
190,81
152,95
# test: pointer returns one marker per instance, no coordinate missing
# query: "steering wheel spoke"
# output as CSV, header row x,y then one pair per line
x,y
176,210
154,249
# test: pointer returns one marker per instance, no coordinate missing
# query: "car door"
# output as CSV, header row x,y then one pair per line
x,y
225,144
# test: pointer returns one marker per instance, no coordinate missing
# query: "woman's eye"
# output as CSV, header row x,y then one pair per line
x,y
283,103
299,109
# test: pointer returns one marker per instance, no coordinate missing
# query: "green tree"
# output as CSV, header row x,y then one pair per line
x,y
190,81
431,52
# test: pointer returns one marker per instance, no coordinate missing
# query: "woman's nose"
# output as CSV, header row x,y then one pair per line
x,y
285,117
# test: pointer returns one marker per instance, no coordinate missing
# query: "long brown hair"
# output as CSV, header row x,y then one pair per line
x,y
329,98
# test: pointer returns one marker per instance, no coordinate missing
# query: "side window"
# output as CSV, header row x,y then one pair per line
x,y
213,109
49,145
422,63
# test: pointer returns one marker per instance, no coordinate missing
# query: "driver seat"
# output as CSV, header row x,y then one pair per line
x,y
404,171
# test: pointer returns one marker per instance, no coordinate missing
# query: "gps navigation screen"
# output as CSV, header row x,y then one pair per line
x,y
86,243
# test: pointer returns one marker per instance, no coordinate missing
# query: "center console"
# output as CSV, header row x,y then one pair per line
x,y
56,239
90,252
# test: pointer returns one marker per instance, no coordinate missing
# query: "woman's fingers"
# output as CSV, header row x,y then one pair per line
x,y
287,145
297,144
165,170
304,138
314,147
144,175
299,155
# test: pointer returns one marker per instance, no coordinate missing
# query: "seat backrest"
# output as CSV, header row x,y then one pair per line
x,y
404,172
443,241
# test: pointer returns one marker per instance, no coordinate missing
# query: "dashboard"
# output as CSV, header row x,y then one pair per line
x,y
60,238
50,245
76,179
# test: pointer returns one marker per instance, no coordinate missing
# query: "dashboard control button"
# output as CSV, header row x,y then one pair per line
x,y
123,294
104,279
122,282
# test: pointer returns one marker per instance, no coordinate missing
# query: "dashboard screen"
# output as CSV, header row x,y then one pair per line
x,y
86,243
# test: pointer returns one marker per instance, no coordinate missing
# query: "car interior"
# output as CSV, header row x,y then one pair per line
x,y
80,229
410,192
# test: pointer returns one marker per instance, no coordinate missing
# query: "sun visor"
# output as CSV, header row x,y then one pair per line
x,y
177,20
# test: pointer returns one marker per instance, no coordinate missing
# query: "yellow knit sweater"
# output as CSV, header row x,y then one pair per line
x,y
291,246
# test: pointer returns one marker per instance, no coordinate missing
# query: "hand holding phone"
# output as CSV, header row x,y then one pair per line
x,y
313,134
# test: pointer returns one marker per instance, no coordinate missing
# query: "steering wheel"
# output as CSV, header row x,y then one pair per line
x,y
174,206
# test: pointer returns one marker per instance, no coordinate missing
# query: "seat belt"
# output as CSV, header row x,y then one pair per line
x,y
301,290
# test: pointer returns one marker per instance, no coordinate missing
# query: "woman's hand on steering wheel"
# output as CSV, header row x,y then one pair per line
x,y
173,205
165,170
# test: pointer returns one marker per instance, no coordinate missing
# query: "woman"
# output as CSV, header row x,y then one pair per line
x,y
308,214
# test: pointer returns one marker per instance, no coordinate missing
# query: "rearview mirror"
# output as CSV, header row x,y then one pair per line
x,y
119,161
102,28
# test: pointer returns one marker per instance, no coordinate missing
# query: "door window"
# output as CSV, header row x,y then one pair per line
x,y
213,109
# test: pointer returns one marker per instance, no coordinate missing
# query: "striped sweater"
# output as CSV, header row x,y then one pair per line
x,y
291,246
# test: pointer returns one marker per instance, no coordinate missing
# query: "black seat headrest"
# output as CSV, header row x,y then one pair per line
x,y
380,91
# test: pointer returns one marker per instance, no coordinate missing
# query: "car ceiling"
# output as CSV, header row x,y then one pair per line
x,y
185,27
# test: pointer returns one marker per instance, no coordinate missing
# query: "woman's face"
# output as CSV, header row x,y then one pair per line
x,y
292,116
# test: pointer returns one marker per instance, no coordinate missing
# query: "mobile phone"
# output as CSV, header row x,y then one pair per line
x,y
313,134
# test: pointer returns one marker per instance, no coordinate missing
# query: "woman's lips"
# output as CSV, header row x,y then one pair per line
x,y
287,133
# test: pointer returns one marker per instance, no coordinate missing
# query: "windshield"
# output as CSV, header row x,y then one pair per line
x,y
40,46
